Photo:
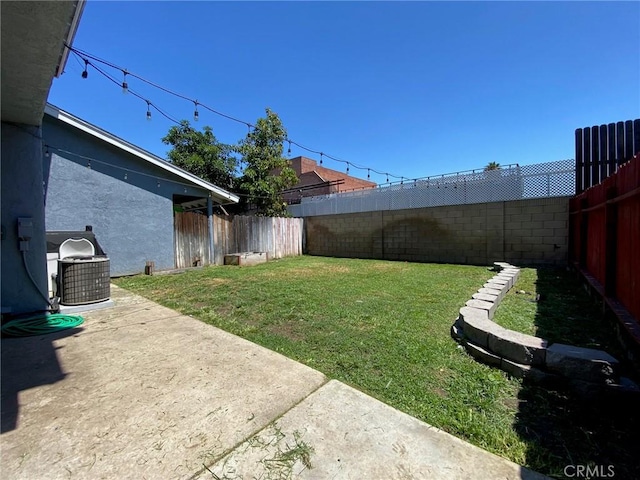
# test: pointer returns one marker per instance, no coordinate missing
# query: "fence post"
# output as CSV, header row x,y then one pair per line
x,y
579,161
610,242
584,230
619,144
611,155
212,256
628,140
595,155
636,136
586,155
602,159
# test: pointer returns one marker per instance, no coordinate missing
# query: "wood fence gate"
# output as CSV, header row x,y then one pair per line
x,y
191,239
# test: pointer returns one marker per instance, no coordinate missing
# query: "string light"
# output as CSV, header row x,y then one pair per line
x,y
148,110
289,151
85,73
47,153
125,85
347,168
196,115
368,174
87,57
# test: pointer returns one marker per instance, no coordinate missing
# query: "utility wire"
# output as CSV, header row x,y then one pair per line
x,y
92,160
88,58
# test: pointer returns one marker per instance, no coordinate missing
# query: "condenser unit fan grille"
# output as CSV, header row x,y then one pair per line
x,y
83,280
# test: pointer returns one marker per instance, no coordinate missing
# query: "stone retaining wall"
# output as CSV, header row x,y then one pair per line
x,y
525,356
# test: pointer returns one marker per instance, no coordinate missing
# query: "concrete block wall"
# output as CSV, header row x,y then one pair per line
x,y
536,231
524,231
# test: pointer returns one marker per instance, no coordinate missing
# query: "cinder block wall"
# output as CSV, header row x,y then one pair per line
x,y
520,232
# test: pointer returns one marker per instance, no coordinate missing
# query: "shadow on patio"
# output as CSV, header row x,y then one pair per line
x,y
28,362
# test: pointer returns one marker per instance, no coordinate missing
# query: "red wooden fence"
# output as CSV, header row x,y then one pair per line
x,y
605,237
600,150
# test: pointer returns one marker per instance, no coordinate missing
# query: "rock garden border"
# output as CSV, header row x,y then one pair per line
x,y
588,370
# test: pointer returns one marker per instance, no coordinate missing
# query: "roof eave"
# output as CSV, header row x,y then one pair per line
x,y
217,193
73,28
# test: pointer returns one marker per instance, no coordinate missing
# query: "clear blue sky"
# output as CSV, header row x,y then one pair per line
x,y
412,88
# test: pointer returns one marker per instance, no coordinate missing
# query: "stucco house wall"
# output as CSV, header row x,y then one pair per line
x,y
22,172
128,201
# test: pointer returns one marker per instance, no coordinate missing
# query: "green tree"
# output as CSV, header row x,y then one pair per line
x,y
266,172
492,166
200,153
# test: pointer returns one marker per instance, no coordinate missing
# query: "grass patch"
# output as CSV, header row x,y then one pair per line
x,y
561,427
382,327
564,312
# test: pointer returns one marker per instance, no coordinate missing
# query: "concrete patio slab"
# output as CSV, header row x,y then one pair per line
x,y
349,435
140,391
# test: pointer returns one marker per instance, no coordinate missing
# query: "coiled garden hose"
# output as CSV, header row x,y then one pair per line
x,y
40,324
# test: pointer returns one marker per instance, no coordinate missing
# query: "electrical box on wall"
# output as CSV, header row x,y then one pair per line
x,y
25,228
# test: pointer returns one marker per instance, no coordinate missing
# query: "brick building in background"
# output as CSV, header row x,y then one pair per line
x,y
314,179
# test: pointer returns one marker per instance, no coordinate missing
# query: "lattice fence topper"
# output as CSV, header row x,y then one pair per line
x,y
543,180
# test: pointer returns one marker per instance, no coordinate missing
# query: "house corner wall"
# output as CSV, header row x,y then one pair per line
x,y
128,202
22,196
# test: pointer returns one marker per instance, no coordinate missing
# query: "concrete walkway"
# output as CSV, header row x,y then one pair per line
x,y
142,392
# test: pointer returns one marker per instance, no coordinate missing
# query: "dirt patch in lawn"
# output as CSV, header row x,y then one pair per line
x,y
305,272
289,330
214,282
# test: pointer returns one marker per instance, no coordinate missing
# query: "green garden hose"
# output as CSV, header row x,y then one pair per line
x,y
40,324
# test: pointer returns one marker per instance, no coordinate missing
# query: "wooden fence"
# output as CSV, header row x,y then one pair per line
x,y
600,150
191,239
279,237
604,241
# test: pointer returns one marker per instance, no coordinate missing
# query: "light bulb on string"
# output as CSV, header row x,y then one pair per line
x,y
47,153
347,168
252,129
289,151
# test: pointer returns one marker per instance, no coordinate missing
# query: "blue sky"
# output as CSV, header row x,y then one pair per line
x,y
409,88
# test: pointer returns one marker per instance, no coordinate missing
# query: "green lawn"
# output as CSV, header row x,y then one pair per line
x,y
564,313
383,327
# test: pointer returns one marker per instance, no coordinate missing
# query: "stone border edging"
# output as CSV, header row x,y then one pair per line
x,y
525,356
